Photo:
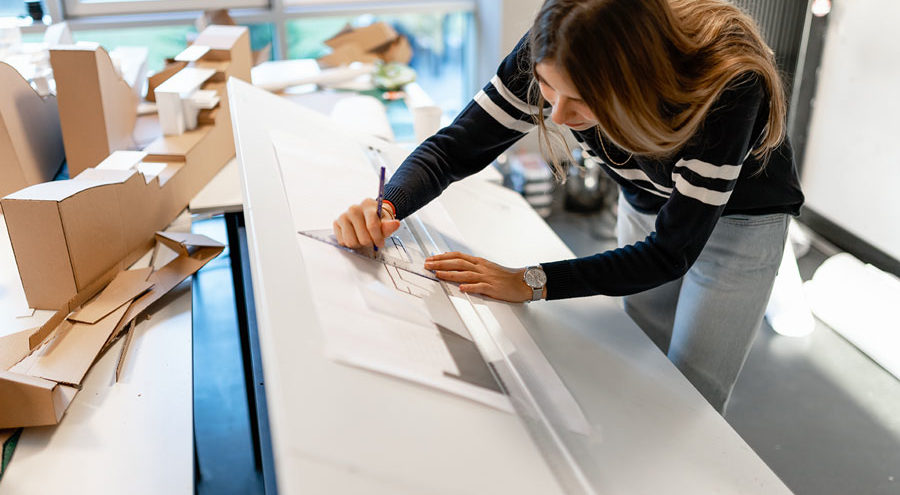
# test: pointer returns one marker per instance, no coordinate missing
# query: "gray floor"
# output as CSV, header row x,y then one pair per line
x,y
819,412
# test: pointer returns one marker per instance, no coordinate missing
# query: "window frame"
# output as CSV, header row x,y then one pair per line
x,y
81,8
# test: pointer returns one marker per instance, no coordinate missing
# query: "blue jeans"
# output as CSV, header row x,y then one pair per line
x,y
705,321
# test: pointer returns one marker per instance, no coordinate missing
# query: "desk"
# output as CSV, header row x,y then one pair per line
x,y
337,429
134,436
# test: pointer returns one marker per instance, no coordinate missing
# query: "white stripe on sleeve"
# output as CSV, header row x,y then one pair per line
x,y
725,172
484,101
514,100
702,194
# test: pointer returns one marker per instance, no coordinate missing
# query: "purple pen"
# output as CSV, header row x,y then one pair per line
x,y
380,195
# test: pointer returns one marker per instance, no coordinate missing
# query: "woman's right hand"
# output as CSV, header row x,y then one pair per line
x,y
360,226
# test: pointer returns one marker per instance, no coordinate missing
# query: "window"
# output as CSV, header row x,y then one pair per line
x,y
12,8
441,44
82,8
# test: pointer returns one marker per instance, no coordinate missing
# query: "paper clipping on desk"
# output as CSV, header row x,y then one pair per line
x,y
374,316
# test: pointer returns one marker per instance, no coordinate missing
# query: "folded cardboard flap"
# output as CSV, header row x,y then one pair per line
x,y
30,401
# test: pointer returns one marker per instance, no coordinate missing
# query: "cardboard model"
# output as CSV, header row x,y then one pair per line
x,y
97,108
70,237
43,368
31,145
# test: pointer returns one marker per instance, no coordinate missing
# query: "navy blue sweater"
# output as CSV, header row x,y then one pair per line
x,y
711,176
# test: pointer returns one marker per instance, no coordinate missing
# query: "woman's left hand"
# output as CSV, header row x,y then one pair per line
x,y
480,276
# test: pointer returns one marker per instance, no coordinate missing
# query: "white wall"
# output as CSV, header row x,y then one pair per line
x,y
501,23
851,172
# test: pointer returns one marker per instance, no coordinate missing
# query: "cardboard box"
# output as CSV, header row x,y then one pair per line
x,y
42,381
368,44
31,145
71,237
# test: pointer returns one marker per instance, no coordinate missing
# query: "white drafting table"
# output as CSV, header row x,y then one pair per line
x,y
134,436
337,429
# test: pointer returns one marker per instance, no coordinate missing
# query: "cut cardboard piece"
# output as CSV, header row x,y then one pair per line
x,y
160,77
67,358
193,250
127,285
31,144
97,107
377,41
71,237
38,389
30,401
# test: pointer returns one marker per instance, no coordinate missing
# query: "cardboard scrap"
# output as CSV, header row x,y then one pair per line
x,y
39,387
127,285
367,44
67,358
193,250
30,401
125,348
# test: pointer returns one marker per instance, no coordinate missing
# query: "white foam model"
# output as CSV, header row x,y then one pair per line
x,y
180,99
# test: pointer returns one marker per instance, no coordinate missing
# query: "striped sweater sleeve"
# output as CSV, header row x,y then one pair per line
x,y
496,118
704,177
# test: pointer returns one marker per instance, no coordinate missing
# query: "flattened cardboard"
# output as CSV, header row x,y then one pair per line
x,y
367,44
71,237
97,108
68,357
367,38
31,144
127,285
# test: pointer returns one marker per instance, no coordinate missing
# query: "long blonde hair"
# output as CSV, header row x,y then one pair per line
x,y
651,70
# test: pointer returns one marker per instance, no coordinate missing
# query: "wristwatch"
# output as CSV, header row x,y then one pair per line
x,y
536,279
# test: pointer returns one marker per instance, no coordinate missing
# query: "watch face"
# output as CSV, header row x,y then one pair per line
x,y
535,277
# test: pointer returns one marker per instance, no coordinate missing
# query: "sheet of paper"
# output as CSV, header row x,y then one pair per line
x,y
373,316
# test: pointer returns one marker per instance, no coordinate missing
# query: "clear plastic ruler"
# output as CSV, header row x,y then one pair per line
x,y
538,419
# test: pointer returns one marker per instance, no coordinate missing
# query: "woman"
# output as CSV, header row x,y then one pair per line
x,y
681,102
